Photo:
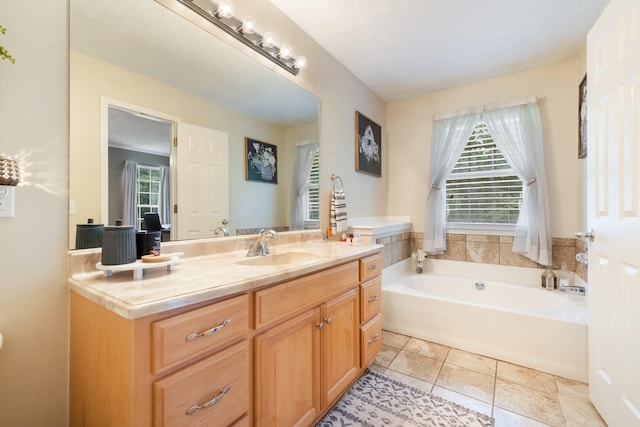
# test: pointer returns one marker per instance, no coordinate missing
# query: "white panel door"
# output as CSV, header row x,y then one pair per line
x,y
202,182
613,162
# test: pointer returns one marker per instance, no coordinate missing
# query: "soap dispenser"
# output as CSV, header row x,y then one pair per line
x,y
564,275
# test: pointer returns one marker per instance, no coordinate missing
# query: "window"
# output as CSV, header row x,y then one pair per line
x,y
312,198
147,191
482,188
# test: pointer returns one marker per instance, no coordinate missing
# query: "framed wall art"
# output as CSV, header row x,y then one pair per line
x,y
261,161
582,119
368,145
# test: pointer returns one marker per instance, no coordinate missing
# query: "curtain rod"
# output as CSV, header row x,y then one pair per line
x,y
486,107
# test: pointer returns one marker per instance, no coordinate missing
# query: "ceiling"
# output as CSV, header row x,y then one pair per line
x,y
404,48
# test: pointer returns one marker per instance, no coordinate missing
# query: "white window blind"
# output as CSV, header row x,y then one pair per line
x,y
312,201
147,191
483,188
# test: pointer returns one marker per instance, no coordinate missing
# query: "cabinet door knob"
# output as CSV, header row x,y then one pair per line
x,y
210,403
320,325
328,320
211,331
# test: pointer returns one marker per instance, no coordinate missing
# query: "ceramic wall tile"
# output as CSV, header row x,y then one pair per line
x,y
482,238
507,257
456,251
486,253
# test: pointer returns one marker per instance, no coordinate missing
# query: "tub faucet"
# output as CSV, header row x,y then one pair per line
x,y
420,255
580,290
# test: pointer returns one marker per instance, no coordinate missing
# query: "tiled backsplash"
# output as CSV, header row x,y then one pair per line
x,y
485,249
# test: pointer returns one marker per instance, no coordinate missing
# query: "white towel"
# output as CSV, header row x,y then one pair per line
x,y
338,212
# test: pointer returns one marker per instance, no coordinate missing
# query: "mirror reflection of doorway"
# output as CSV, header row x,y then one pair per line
x,y
139,167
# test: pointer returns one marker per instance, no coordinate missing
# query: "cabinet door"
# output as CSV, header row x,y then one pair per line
x,y
287,369
341,349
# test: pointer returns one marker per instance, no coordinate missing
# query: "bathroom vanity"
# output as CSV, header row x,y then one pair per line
x,y
224,340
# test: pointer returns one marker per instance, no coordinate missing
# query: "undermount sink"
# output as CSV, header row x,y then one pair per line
x,y
282,258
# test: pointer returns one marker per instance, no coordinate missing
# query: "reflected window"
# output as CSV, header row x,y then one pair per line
x,y
147,191
312,198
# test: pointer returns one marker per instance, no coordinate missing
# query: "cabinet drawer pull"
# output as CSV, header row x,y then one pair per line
x,y
372,267
373,298
374,339
210,403
211,331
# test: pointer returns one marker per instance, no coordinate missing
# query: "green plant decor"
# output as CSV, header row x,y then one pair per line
x,y
4,53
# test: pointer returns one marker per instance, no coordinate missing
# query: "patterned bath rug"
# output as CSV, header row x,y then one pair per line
x,y
376,400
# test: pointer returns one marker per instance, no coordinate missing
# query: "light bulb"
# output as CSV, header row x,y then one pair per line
x,y
301,63
269,40
285,52
248,25
225,9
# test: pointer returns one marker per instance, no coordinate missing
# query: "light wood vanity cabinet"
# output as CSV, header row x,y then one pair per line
x,y
370,308
306,362
276,356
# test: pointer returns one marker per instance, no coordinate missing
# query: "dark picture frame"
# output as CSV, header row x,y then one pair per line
x,y
368,146
261,161
582,118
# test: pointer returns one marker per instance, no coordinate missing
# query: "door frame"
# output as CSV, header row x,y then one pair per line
x,y
105,104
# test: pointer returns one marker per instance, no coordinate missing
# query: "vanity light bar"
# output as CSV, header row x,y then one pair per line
x,y
264,45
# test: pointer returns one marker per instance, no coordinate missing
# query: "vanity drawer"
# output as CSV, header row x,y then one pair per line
x,y
371,339
370,267
219,385
281,301
187,335
370,299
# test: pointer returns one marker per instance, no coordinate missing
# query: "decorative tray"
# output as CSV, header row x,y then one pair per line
x,y
138,267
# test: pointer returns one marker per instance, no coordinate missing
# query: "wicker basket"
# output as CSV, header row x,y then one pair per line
x,y
9,171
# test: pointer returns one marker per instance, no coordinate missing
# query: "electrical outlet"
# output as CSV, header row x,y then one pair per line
x,y
6,201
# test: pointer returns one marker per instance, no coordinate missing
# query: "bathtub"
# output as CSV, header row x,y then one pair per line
x,y
512,319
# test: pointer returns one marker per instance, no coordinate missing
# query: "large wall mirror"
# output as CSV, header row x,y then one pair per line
x,y
140,76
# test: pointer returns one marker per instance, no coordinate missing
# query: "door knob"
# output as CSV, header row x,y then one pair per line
x,y
585,235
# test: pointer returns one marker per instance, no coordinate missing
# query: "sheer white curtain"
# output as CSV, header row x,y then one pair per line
x,y
164,204
302,163
129,202
449,137
517,132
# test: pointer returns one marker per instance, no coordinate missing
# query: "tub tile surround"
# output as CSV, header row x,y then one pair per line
x,y
512,394
490,249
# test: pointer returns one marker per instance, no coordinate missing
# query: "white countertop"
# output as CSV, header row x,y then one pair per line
x,y
203,278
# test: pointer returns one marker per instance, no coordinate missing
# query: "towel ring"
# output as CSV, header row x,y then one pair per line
x,y
333,181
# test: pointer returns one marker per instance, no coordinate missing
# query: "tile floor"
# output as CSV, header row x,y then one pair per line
x,y
514,395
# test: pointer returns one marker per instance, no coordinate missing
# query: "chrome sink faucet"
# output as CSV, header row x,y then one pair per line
x,y
261,245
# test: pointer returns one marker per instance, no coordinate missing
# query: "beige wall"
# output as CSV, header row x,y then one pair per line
x,y
556,86
33,300
34,121
341,94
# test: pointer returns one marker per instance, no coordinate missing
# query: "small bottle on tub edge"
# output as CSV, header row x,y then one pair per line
x,y
548,279
564,275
